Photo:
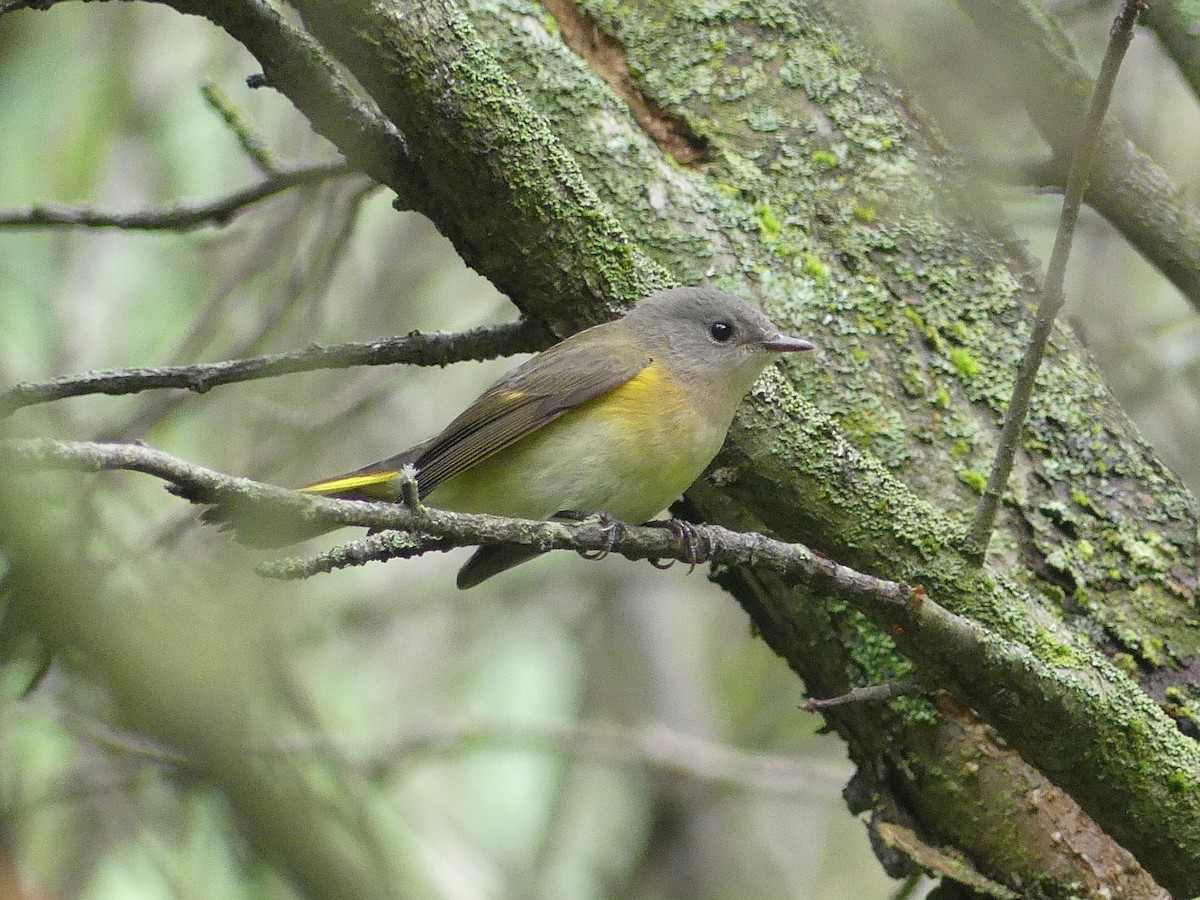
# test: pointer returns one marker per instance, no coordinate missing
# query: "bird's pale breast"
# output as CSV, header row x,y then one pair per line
x,y
629,453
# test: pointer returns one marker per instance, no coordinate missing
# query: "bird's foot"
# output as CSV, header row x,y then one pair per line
x,y
614,530
688,537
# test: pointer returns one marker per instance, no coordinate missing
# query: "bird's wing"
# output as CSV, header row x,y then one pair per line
x,y
532,395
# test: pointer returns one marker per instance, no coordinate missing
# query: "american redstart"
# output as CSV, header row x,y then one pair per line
x,y
617,419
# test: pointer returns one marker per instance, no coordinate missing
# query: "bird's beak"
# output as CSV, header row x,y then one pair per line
x,y
785,343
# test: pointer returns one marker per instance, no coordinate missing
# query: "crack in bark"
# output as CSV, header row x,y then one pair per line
x,y
605,55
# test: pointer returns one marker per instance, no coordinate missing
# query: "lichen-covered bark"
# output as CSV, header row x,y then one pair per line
x,y
528,205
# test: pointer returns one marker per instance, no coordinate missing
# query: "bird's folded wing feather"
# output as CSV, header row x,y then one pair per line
x,y
567,375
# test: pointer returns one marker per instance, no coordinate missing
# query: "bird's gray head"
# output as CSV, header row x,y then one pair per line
x,y
710,337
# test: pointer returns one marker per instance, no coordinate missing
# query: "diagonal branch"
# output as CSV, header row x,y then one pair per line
x,y
980,532
653,745
253,146
176,216
435,349
1177,24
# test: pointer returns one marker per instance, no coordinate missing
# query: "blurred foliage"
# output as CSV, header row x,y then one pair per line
x,y
432,699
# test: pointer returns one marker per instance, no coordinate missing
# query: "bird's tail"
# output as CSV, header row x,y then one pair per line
x,y
253,526
492,560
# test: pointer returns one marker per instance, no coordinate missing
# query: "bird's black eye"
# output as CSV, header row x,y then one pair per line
x,y
720,331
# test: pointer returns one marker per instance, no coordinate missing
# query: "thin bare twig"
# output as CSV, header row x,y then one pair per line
x,y
252,145
875,693
308,279
176,216
980,532
434,349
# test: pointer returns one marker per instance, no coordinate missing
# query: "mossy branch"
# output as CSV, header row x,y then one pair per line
x,y
504,188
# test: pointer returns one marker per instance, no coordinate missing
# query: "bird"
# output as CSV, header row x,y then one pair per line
x,y
617,420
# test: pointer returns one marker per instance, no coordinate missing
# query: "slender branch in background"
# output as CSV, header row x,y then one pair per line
x,y
653,745
435,349
301,69
125,743
177,216
1177,24
980,532
1037,175
252,145
351,801
1126,186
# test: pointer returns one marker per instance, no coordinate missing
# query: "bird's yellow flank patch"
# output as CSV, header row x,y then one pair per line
x,y
646,402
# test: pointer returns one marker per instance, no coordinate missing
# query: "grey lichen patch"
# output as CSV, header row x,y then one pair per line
x,y
814,69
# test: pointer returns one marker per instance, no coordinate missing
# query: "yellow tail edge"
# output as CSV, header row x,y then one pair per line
x,y
347,483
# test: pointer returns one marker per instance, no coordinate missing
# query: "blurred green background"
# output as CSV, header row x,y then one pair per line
x,y
573,729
